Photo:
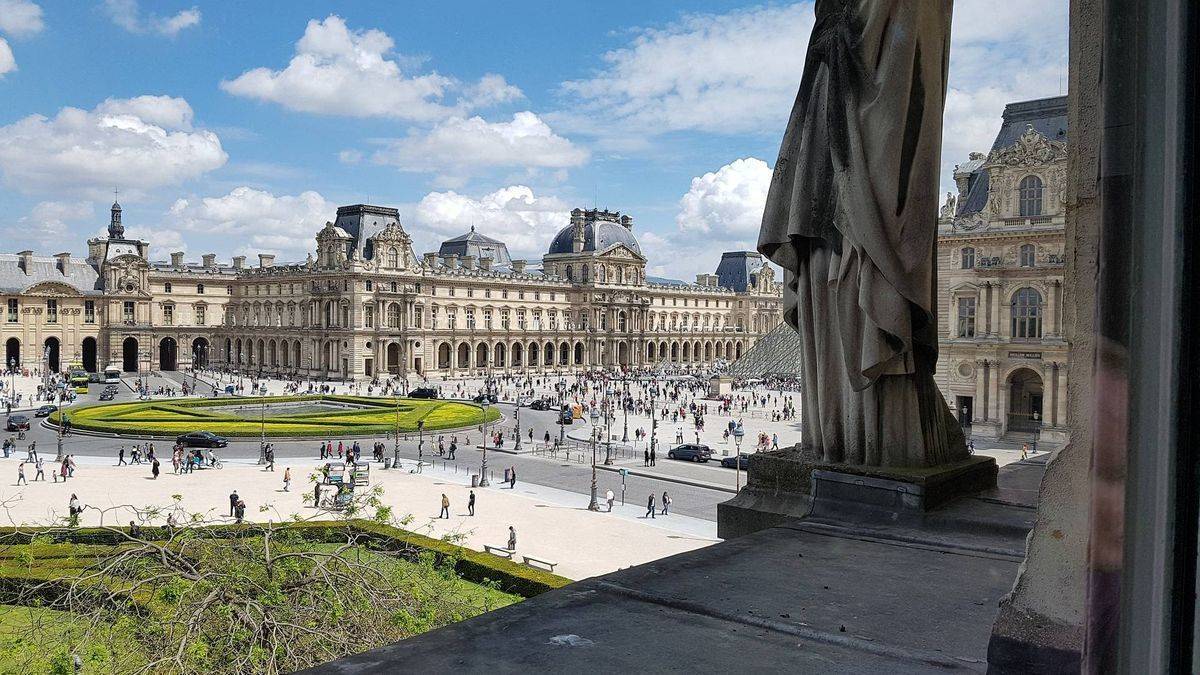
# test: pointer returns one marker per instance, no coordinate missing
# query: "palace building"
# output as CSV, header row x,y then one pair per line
x,y
366,305
1001,240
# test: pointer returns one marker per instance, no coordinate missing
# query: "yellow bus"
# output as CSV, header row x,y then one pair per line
x,y
79,378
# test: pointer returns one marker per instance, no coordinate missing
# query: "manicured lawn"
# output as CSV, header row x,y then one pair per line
x,y
238,417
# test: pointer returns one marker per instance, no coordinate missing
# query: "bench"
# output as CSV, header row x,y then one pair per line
x,y
529,560
500,551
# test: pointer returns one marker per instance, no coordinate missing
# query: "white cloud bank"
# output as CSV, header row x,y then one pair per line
x,y
268,223
354,73
127,15
20,18
134,144
513,214
7,62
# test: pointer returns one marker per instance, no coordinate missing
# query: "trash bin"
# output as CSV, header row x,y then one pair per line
x,y
387,462
474,480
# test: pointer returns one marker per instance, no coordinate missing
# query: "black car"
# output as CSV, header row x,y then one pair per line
x,y
44,411
423,392
18,423
541,404
690,452
202,439
728,462
107,395
484,398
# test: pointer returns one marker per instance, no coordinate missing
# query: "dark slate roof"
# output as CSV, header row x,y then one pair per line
x,y
738,269
663,281
1047,116
78,274
363,221
609,235
477,245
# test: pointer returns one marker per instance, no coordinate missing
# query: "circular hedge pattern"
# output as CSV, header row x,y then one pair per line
x,y
342,416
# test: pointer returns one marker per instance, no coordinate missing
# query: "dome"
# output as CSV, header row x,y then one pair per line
x,y
601,231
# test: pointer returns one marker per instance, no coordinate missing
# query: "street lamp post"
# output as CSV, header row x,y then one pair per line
x,y
483,479
608,419
738,433
594,504
562,429
396,450
517,416
625,406
262,424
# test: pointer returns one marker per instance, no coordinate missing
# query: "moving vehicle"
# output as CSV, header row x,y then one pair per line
x,y
18,423
202,439
45,411
524,401
690,452
541,404
112,375
742,459
423,392
107,395
566,416
484,398
79,378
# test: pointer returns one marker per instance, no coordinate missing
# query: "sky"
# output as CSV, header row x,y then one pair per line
x,y
239,128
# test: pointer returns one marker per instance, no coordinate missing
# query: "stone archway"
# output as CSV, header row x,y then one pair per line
x,y
90,353
129,355
393,358
1025,387
481,355
168,352
200,353
623,353
52,354
443,356
12,353
464,356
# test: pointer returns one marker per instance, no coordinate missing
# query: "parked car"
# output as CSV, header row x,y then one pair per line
x,y
741,459
18,423
45,411
566,417
202,439
107,395
485,398
541,404
690,452
423,392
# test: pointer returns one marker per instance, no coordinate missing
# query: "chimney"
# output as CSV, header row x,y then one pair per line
x,y
468,262
451,261
210,260
518,266
26,261
485,264
177,259
430,261
627,221
266,260
577,231
64,261
239,261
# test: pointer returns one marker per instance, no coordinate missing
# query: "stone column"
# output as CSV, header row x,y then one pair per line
x,y
1051,318
998,407
979,412
987,389
997,300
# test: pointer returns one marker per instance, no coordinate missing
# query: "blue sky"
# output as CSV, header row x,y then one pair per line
x,y
239,127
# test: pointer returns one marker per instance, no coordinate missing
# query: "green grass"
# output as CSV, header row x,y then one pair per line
x,y
370,416
39,640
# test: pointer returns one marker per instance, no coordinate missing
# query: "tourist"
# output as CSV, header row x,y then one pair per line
x,y
41,471
70,461
239,512
512,538
270,457
610,497
121,457
652,458
666,503
21,474
74,509
1024,451
453,449
287,479
471,503
233,501
154,468
445,513
646,460
650,507
512,478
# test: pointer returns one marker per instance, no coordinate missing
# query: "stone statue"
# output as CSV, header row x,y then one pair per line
x,y
948,206
852,217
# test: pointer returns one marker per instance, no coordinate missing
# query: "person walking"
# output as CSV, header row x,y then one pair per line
x,y
154,468
121,457
233,501
445,513
74,509
270,456
287,479
650,507
512,478
652,457
666,503
1024,451
512,538
21,474
610,497
239,512
471,504
41,471
646,458
453,449
70,460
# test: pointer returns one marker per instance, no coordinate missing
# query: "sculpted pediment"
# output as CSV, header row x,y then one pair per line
x,y
1031,149
620,252
52,289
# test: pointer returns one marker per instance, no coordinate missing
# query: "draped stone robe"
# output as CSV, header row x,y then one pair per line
x,y
851,216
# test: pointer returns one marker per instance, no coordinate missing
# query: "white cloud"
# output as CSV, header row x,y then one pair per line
x,y
47,228
723,73
339,71
511,214
135,144
127,15
7,62
20,18
459,146
350,156
727,202
283,224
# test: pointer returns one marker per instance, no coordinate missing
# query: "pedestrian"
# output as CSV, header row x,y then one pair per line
x,y
453,448
445,513
233,501
512,478
121,457
666,503
270,457
1024,451
471,504
239,512
74,509
41,472
154,468
512,538
610,497
646,459
21,474
650,507
287,479
70,460
652,458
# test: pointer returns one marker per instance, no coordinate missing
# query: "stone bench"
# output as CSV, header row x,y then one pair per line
x,y
530,560
500,551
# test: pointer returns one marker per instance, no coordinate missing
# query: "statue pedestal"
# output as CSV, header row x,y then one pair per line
x,y
786,484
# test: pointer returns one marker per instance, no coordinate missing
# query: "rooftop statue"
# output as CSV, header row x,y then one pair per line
x,y
852,217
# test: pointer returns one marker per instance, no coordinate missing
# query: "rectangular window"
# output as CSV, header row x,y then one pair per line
x,y
169,315
487,292
966,317
504,319
127,313
470,292
368,284
451,319
12,310
450,291
520,319
369,315
470,319
89,311
553,320
504,293
520,295
200,315
51,311
487,319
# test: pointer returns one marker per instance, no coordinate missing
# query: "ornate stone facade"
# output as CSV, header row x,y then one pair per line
x,y
365,304
1003,365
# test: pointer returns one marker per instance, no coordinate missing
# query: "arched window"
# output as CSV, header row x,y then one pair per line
x,y
1027,314
393,258
570,273
200,289
601,275
1031,196
621,322
1027,255
585,273
393,315
968,258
